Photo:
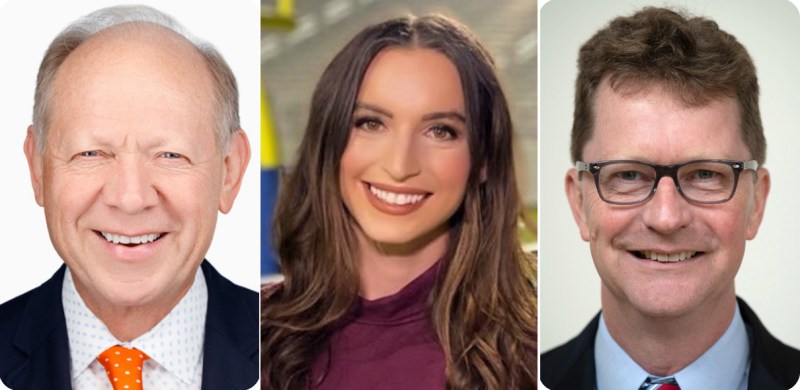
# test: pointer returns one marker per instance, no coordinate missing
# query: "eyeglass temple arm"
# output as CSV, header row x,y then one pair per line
x,y
582,166
752,164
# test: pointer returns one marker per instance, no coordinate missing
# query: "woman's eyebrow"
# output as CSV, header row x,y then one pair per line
x,y
445,115
427,117
374,108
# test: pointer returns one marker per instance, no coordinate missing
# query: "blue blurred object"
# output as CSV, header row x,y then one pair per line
x,y
270,168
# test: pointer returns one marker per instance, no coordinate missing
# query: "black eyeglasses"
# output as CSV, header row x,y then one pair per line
x,y
627,182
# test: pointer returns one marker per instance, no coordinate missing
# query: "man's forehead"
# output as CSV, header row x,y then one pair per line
x,y
139,44
139,51
135,70
631,86
653,122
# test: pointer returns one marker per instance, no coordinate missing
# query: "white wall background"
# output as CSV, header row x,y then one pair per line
x,y
768,278
26,29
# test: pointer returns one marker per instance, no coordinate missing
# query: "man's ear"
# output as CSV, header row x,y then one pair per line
x,y
572,184
34,158
235,165
760,192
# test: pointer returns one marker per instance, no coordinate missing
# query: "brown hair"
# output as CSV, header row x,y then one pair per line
x,y
689,56
483,307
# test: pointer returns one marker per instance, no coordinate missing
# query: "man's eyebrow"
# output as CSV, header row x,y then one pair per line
x,y
427,117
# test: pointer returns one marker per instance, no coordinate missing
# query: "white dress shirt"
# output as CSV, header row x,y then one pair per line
x,y
726,365
175,345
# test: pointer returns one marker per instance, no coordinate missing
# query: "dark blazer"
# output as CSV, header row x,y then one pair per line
x,y
34,350
773,365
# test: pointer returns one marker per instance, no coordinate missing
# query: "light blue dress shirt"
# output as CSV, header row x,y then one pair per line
x,y
726,365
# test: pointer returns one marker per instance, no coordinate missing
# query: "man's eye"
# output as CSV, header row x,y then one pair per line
x,y
171,155
705,174
629,175
90,153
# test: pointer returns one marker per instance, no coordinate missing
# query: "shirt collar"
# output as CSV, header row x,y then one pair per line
x,y
175,343
723,366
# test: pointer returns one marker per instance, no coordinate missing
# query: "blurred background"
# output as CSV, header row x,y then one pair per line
x,y
299,38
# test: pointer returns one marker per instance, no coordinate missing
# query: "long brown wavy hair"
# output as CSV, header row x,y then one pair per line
x,y
483,307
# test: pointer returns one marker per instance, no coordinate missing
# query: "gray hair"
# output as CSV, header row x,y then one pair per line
x,y
226,94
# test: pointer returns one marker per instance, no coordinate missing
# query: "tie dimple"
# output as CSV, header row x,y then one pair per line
x,y
656,383
124,367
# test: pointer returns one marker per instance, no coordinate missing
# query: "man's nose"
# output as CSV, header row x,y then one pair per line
x,y
401,160
667,211
129,187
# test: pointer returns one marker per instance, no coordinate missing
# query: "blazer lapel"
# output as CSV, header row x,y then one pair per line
x,y
230,355
571,366
41,339
773,365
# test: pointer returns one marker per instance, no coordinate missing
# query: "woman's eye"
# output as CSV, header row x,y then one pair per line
x,y
90,153
171,155
369,124
443,133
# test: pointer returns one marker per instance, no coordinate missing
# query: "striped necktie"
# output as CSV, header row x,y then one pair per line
x,y
656,383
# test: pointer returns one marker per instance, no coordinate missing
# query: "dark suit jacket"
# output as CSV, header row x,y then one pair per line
x,y
34,350
773,365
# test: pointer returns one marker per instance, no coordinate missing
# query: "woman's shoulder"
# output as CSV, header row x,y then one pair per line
x,y
270,288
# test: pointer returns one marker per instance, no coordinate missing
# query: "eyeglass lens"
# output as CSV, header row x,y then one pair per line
x,y
629,182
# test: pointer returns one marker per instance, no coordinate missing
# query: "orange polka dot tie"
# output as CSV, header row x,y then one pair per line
x,y
124,367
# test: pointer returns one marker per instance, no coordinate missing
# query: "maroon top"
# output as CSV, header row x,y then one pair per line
x,y
387,343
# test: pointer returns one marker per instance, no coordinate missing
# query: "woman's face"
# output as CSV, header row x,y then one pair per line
x,y
406,164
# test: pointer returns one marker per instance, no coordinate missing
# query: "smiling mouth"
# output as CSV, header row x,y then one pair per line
x,y
130,241
666,257
397,198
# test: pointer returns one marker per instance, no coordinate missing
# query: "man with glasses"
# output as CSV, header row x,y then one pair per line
x,y
668,144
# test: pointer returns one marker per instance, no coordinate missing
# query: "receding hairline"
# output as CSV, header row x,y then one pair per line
x,y
224,93
164,49
145,33
140,27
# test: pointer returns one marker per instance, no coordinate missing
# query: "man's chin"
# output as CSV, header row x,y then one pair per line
x,y
665,304
132,294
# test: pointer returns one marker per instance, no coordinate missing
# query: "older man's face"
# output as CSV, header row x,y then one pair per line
x,y
131,177
652,126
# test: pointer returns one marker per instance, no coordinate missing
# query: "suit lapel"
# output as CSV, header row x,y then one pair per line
x,y
42,339
230,353
571,366
773,365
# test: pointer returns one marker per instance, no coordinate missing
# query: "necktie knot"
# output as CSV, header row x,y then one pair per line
x,y
124,367
657,383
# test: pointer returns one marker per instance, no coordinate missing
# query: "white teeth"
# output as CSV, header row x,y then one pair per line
x,y
394,198
120,239
668,257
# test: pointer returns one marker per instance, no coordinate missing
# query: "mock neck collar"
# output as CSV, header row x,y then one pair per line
x,y
408,304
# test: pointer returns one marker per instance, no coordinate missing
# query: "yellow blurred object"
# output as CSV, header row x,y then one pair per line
x,y
280,15
270,156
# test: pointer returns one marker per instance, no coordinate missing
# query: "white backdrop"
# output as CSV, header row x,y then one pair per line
x,y
768,278
26,29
